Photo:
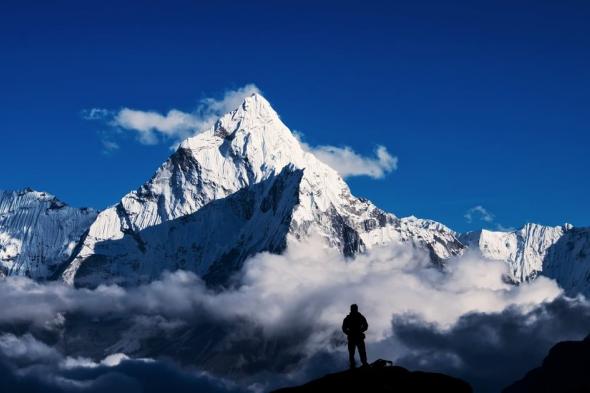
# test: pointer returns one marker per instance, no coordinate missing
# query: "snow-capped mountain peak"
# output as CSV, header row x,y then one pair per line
x,y
249,148
246,145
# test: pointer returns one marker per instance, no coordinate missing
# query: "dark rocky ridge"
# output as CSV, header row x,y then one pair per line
x,y
381,377
566,369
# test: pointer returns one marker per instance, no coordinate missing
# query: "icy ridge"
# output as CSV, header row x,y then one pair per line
x,y
38,232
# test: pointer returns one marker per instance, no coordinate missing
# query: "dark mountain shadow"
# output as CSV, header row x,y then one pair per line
x,y
566,369
213,242
381,376
568,261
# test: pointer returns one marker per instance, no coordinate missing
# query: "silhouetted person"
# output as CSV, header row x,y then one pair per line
x,y
354,326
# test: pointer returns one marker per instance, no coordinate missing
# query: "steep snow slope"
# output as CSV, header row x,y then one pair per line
x,y
524,250
560,252
247,146
212,242
38,233
568,261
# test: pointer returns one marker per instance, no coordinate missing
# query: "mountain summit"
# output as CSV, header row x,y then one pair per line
x,y
243,186
381,377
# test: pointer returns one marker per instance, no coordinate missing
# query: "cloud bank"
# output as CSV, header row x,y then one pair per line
x,y
491,350
280,326
29,365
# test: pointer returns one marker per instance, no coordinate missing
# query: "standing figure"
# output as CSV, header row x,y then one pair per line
x,y
354,326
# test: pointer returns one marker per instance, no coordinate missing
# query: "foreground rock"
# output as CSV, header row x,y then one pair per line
x,y
566,369
382,378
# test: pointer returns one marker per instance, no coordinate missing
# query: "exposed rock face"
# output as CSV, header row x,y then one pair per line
x,y
38,233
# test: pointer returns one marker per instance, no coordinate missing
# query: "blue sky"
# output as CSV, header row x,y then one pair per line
x,y
483,103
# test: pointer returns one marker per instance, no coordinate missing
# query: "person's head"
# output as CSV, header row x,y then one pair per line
x,y
354,308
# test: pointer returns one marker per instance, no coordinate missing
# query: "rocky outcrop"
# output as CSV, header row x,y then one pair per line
x,y
381,378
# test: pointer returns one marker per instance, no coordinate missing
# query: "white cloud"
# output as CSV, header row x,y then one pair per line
x,y
153,127
26,348
211,108
175,124
96,113
482,214
349,163
478,212
109,146
320,284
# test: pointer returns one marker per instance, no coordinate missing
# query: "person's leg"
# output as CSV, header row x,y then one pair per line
x,y
351,347
362,351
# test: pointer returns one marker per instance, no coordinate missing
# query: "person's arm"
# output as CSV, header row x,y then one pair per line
x,y
345,326
365,324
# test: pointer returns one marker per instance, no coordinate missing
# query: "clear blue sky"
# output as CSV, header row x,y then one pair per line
x,y
484,103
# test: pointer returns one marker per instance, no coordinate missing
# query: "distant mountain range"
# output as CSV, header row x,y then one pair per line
x,y
245,186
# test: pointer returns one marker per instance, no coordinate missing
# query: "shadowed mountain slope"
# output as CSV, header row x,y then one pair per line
x,y
566,369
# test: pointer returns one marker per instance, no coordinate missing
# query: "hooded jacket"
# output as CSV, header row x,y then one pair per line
x,y
354,325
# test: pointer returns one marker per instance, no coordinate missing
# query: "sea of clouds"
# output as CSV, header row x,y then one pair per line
x,y
281,324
